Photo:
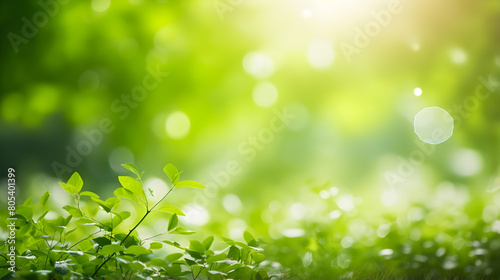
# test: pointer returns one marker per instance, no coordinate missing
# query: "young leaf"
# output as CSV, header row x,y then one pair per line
x,y
76,181
208,242
131,167
173,257
106,207
173,243
196,246
189,184
44,199
172,223
249,238
68,188
110,249
181,231
89,194
155,246
102,241
25,211
234,253
171,209
137,250
122,192
73,211
151,192
113,202
171,172
132,185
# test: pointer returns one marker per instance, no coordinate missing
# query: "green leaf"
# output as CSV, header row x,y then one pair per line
x,y
155,246
234,253
208,242
132,185
151,192
248,236
124,214
172,223
171,209
196,246
44,199
102,241
68,188
181,231
113,202
172,173
173,243
189,184
249,239
215,258
103,204
173,257
25,211
131,167
90,194
122,192
228,241
110,249
194,254
76,181
73,211
258,257
137,250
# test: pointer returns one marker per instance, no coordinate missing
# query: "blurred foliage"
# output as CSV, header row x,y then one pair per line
x,y
260,102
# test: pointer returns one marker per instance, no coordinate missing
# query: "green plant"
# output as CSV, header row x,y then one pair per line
x,y
101,250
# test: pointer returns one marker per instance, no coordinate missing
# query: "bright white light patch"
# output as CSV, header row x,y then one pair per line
x,y
386,252
258,65
346,202
458,56
231,203
100,5
265,94
195,215
178,125
320,54
293,232
297,211
306,13
433,125
389,197
466,162
417,91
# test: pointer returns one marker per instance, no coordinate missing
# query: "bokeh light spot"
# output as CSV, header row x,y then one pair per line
x,y
320,54
101,5
417,91
433,125
231,203
458,56
258,65
265,94
178,125
118,157
466,162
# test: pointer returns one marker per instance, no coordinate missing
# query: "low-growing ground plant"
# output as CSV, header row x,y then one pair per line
x,y
46,249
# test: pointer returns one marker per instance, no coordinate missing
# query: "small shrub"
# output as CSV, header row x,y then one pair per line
x,y
43,250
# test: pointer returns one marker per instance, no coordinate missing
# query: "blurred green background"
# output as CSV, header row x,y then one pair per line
x,y
346,163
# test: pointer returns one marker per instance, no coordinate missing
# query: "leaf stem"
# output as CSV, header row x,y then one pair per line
x,y
130,232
